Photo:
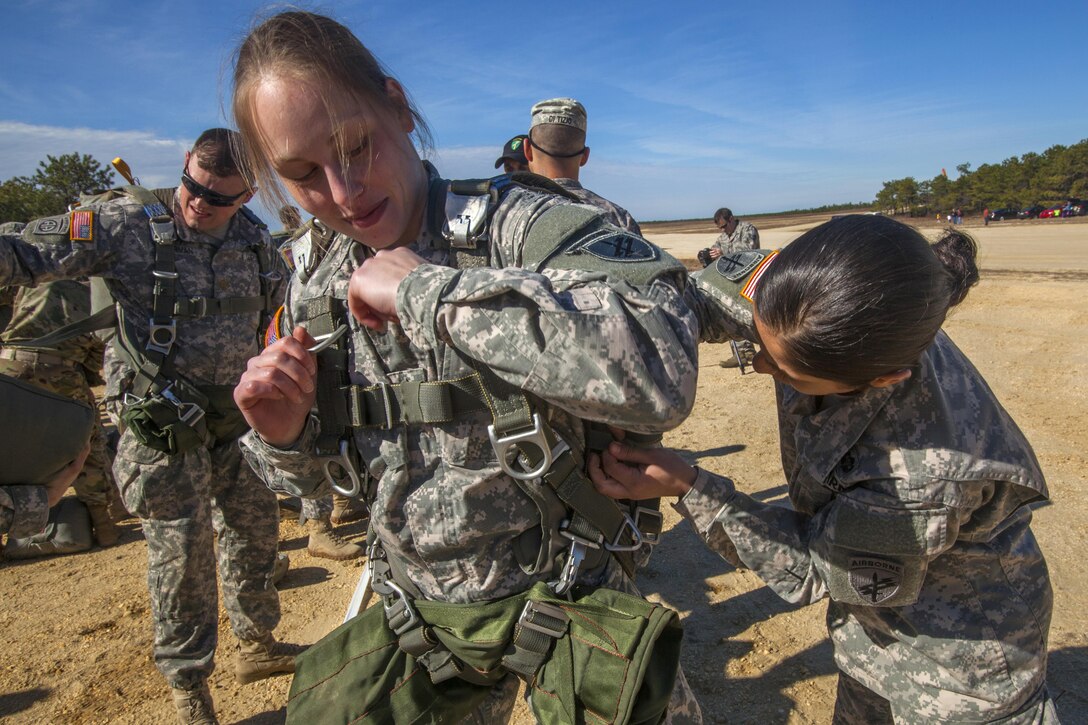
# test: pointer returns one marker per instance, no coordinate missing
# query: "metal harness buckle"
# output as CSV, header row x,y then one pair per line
x,y
399,613
345,462
629,523
642,512
534,437
549,610
188,413
578,547
169,330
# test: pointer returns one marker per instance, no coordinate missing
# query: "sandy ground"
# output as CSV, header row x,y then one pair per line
x,y
75,630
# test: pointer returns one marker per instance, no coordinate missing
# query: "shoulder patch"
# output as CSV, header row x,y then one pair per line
x,y
875,580
616,245
51,225
735,266
81,227
274,332
749,289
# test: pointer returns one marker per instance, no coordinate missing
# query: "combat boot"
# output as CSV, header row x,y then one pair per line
x,y
346,509
324,544
105,531
264,657
282,565
195,706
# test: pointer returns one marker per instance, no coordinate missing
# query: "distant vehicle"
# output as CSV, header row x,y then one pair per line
x,y
1052,213
1000,215
1031,212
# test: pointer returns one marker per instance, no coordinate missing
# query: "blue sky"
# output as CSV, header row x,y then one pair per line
x,y
757,106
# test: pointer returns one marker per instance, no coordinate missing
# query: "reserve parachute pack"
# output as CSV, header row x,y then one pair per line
x,y
40,432
163,410
591,650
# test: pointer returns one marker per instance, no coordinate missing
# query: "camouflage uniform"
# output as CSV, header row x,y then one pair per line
x,y
744,236
66,370
613,212
586,347
186,500
24,510
910,512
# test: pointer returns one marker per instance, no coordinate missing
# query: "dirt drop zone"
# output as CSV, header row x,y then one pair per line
x,y
76,629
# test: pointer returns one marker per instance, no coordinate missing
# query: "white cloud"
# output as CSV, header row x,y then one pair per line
x,y
157,161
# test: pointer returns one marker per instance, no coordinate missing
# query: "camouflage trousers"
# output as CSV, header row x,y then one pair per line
x,y
95,482
316,508
856,704
193,507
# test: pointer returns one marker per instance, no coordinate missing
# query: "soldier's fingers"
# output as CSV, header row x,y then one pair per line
x,y
632,454
290,358
601,481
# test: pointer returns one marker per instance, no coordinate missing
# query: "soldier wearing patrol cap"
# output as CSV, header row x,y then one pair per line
x,y
556,148
194,278
910,484
513,156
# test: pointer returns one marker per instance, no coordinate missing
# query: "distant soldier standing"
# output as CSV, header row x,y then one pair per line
x,y
194,276
556,148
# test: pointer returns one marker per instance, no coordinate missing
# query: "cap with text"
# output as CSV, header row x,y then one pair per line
x,y
559,111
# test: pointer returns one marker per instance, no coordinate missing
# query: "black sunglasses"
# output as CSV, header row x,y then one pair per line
x,y
202,192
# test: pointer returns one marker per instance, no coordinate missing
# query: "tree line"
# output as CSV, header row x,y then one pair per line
x,y
58,182
1057,175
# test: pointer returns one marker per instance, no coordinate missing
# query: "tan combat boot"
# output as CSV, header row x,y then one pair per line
x,y
282,565
195,706
264,657
105,531
325,544
346,509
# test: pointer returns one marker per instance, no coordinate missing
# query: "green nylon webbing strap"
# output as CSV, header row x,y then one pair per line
x,y
209,306
414,402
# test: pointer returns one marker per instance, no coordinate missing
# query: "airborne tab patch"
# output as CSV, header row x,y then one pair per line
x,y
616,245
875,580
81,227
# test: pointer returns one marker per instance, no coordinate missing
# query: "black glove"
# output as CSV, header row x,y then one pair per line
x,y
704,257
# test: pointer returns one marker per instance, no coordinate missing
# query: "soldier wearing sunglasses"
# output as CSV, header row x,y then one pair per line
x,y
194,279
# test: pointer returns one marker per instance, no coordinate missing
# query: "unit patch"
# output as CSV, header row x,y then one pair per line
x,y
875,580
615,245
735,266
81,228
52,225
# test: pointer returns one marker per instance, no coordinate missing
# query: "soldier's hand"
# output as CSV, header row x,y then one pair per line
x,y
372,291
625,471
55,488
715,252
277,390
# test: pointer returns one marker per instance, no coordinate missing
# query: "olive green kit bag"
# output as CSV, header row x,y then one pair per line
x,y
607,657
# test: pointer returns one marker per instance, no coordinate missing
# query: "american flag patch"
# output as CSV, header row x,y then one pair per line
x,y
273,332
81,228
749,288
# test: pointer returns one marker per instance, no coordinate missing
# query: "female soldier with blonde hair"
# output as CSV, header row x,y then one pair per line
x,y
462,341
